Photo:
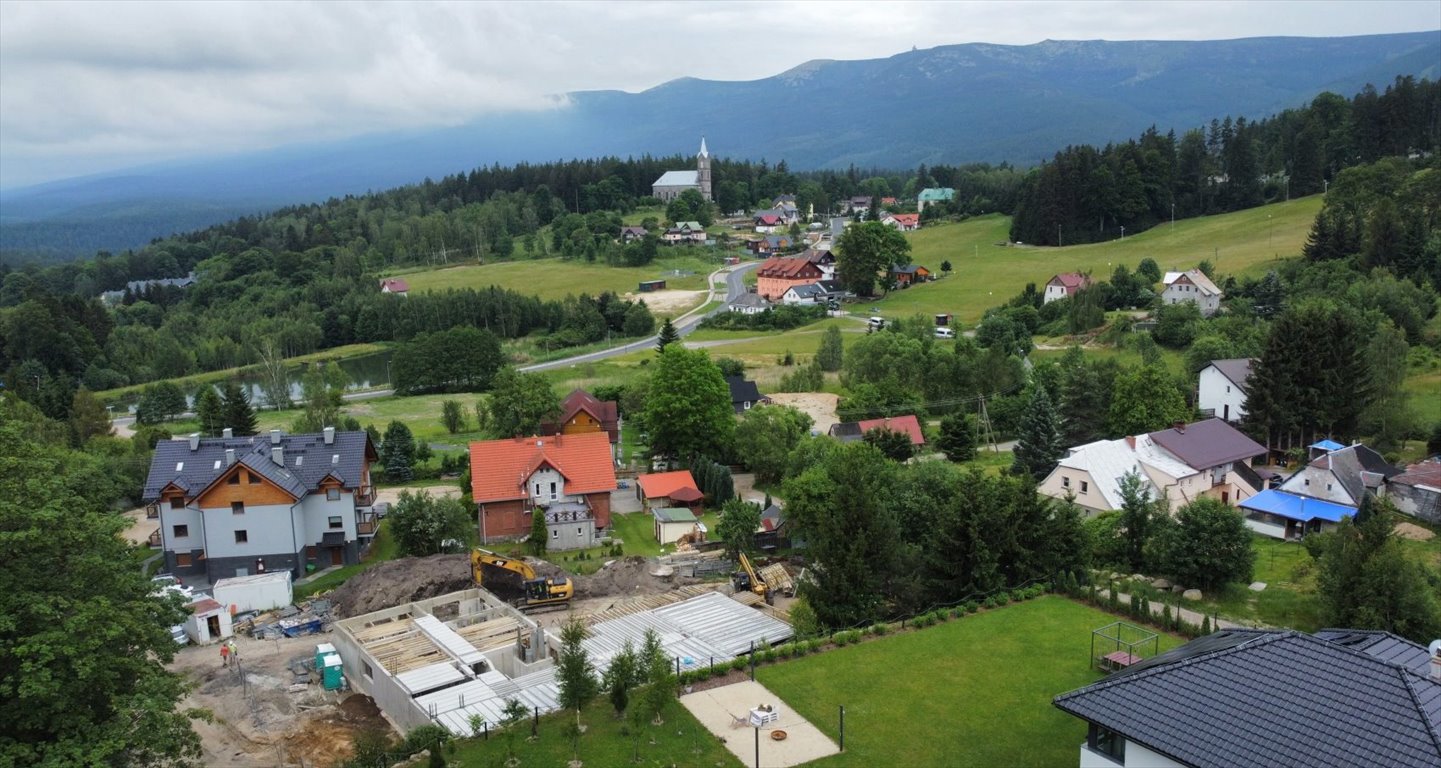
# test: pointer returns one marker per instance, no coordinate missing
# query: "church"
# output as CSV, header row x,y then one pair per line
x,y
672,183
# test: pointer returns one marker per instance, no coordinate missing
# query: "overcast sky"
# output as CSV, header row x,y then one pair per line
x,y
95,86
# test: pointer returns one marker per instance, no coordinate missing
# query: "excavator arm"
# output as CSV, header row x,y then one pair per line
x,y
516,581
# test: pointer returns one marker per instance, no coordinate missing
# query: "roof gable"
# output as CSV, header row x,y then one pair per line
x,y
660,485
788,268
1236,370
743,390
499,469
308,460
907,424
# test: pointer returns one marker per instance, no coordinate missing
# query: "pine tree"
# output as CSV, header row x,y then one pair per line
x,y
1039,447
668,335
831,354
538,532
957,439
397,453
209,411
239,415
575,674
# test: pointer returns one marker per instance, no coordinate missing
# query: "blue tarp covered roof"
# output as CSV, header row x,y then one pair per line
x,y
1327,445
1293,507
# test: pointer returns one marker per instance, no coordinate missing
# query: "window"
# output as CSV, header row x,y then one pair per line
x,y
241,537
1065,481
1307,481
580,531
1328,486
234,479
253,478
537,489
1107,742
177,502
1228,389
552,490
182,559
1085,486
369,673
336,522
181,531
332,494
555,533
237,507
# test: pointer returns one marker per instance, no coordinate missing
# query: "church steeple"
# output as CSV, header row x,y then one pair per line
x,y
702,167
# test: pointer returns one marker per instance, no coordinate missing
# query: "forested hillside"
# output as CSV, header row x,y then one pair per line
x,y
1087,195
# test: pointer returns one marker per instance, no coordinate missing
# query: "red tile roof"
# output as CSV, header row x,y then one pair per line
x,y
499,468
907,219
394,285
907,424
1070,280
790,268
662,484
769,219
603,411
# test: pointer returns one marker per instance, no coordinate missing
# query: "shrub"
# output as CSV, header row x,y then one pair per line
x,y
739,663
972,606
1002,599
880,628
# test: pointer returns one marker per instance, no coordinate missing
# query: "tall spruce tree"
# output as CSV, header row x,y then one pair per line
x,y
1039,447
210,411
958,438
667,336
1312,379
239,415
397,453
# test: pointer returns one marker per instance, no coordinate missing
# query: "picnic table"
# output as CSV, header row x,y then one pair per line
x,y
1117,660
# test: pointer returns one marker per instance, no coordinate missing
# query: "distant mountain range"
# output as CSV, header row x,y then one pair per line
x,y
951,104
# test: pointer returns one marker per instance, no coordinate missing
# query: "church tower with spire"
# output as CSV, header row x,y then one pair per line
x,y
702,168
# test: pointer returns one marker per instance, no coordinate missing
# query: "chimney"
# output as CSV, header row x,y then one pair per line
x,y
1180,426
229,456
329,433
1131,441
1436,660
277,455
275,437
227,433
194,441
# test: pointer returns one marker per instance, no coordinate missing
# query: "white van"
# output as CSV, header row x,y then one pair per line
x,y
945,333
877,322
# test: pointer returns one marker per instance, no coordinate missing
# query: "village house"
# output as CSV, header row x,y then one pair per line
x,y
770,244
672,183
581,412
824,259
1221,388
1417,490
905,222
934,195
768,221
1193,286
778,274
631,234
1064,285
810,293
1190,461
234,506
859,204
669,489
1324,491
394,285
749,304
744,394
684,232
851,431
908,274
567,478
1239,697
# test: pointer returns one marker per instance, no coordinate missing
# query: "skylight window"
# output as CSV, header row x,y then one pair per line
x,y
179,466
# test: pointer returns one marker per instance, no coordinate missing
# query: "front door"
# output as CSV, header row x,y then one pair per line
x,y
212,625
337,556
1226,412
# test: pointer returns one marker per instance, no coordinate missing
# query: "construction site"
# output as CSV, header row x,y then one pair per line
x,y
421,643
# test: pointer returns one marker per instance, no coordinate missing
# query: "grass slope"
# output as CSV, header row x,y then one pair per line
x,y
971,692
1241,243
557,278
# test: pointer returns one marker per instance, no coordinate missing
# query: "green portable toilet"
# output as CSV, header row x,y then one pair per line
x,y
331,674
321,651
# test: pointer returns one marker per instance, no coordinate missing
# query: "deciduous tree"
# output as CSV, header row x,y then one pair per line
x,y
688,408
1146,399
1207,546
452,415
864,250
765,437
831,354
421,523
88,418
737,527
895,444
521,402
958,438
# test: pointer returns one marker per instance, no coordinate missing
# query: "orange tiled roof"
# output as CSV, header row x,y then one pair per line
x,y
662,484
499,468
907,424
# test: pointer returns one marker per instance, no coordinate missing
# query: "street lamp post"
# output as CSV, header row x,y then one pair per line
x,y
1123,233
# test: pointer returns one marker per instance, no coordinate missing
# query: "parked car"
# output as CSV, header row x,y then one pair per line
x,y
177,633
877,322
945,333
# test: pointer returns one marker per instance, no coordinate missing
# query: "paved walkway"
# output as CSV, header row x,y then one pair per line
x,y
715,709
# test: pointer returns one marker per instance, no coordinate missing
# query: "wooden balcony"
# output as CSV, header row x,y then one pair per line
x,y
155,539
365,497
365,527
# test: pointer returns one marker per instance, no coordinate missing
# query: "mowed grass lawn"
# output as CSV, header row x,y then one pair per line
x,y
557,278
974,691
637,530
985,275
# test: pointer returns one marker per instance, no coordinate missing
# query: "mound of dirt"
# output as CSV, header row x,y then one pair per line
x,y
402,581
627,576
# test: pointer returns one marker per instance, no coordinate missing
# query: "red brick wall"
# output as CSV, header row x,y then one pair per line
x,y
600,506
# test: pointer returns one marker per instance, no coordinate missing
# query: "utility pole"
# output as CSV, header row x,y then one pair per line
x,y
1059,242
1173,217
985,422
1123,233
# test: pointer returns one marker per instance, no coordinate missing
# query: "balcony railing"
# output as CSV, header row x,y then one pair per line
x,y
365,496
365,527
155,539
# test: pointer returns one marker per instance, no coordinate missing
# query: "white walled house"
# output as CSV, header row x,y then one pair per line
x,y
1221,388
237,506
1320,494
1193,286
1064,285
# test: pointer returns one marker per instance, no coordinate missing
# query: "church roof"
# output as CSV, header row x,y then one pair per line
x,y
678,179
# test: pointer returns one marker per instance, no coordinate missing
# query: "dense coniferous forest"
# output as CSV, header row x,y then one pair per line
x,y
1087,195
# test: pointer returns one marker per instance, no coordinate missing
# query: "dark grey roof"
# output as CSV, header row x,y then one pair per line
x,y
1270,698
1208,443
905,269
1383,645
846,431
1358,468
308,460
1238,370
742,390
806,290
750,300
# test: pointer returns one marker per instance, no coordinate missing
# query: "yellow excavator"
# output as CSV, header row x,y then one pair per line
x,y
514,580
746,579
